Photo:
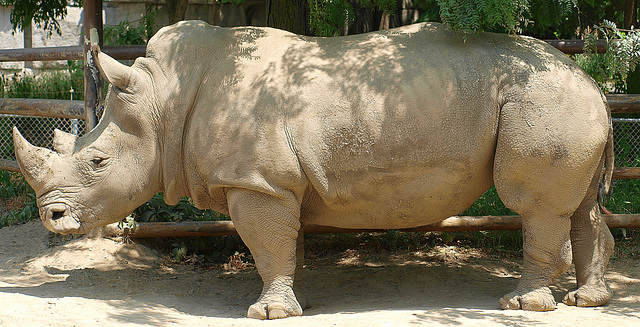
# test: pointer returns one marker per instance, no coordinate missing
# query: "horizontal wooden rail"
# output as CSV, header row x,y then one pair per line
x,y
456,223
42,108
626,173
624,103
121,52
9,165
576,46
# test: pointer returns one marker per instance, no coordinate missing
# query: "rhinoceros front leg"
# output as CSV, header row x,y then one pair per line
x,y
269,226
592,246
547,254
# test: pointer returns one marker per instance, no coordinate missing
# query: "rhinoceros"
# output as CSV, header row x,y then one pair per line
x,y
387,130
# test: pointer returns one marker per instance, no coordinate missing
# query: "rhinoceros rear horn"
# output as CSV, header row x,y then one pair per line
x,y
118,74
63,143
35,162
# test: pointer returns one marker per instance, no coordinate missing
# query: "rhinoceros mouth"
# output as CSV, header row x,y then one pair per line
x,y
57,218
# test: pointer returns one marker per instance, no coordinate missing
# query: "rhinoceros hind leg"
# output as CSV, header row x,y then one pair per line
x,y
547,254
543,169
589,295
269,227
592,245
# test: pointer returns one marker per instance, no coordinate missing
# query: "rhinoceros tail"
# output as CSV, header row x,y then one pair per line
x,y
604,191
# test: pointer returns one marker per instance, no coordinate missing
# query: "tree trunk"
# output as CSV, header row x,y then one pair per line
x,y
290,15
385,21
631,13
177,10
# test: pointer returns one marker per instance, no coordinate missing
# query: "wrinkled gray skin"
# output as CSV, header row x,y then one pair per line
x,y
392,129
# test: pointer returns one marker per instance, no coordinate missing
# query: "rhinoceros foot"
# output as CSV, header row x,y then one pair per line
x,y
589,295
276,301
539,299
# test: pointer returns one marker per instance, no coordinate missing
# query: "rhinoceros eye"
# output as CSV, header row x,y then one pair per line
x,y
98,162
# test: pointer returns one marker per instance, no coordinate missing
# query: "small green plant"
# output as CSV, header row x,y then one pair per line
x,y
201,250
125,33
132,33
489,204
18,197
156,210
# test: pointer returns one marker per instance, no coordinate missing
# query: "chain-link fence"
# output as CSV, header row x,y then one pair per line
x,y
626,138
37,130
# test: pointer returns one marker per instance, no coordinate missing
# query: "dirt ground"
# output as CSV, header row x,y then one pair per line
x,y
90,282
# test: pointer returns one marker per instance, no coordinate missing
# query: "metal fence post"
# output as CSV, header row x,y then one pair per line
x,y
92,79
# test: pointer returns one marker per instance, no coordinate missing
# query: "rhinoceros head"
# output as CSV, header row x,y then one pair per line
x,y
103,176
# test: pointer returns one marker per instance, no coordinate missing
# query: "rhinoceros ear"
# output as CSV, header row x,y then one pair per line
x,y
63,143
118,74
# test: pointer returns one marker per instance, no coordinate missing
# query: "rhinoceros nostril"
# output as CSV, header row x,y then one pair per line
x,y
56,214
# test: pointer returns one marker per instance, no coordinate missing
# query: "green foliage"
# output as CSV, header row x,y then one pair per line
x,y
512,16
546,13
386,6
328,17
14,188
429,9
132,33
157,210
44,13
626,197
124,33
489,204
610,69
480,15
50,85
12,185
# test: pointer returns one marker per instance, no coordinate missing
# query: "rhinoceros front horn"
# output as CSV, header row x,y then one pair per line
x,y
35,162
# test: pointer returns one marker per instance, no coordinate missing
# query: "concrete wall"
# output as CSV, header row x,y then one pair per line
x,y
114,12
71,35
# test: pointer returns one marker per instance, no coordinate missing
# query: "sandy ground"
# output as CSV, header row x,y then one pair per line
x,y
91,282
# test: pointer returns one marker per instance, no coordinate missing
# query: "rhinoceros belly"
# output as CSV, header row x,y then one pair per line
x,y
383,199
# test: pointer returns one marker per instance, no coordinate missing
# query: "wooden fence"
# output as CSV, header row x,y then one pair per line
x,y
86,110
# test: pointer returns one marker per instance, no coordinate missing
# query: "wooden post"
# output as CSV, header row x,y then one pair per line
x,y
92,79
28,41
